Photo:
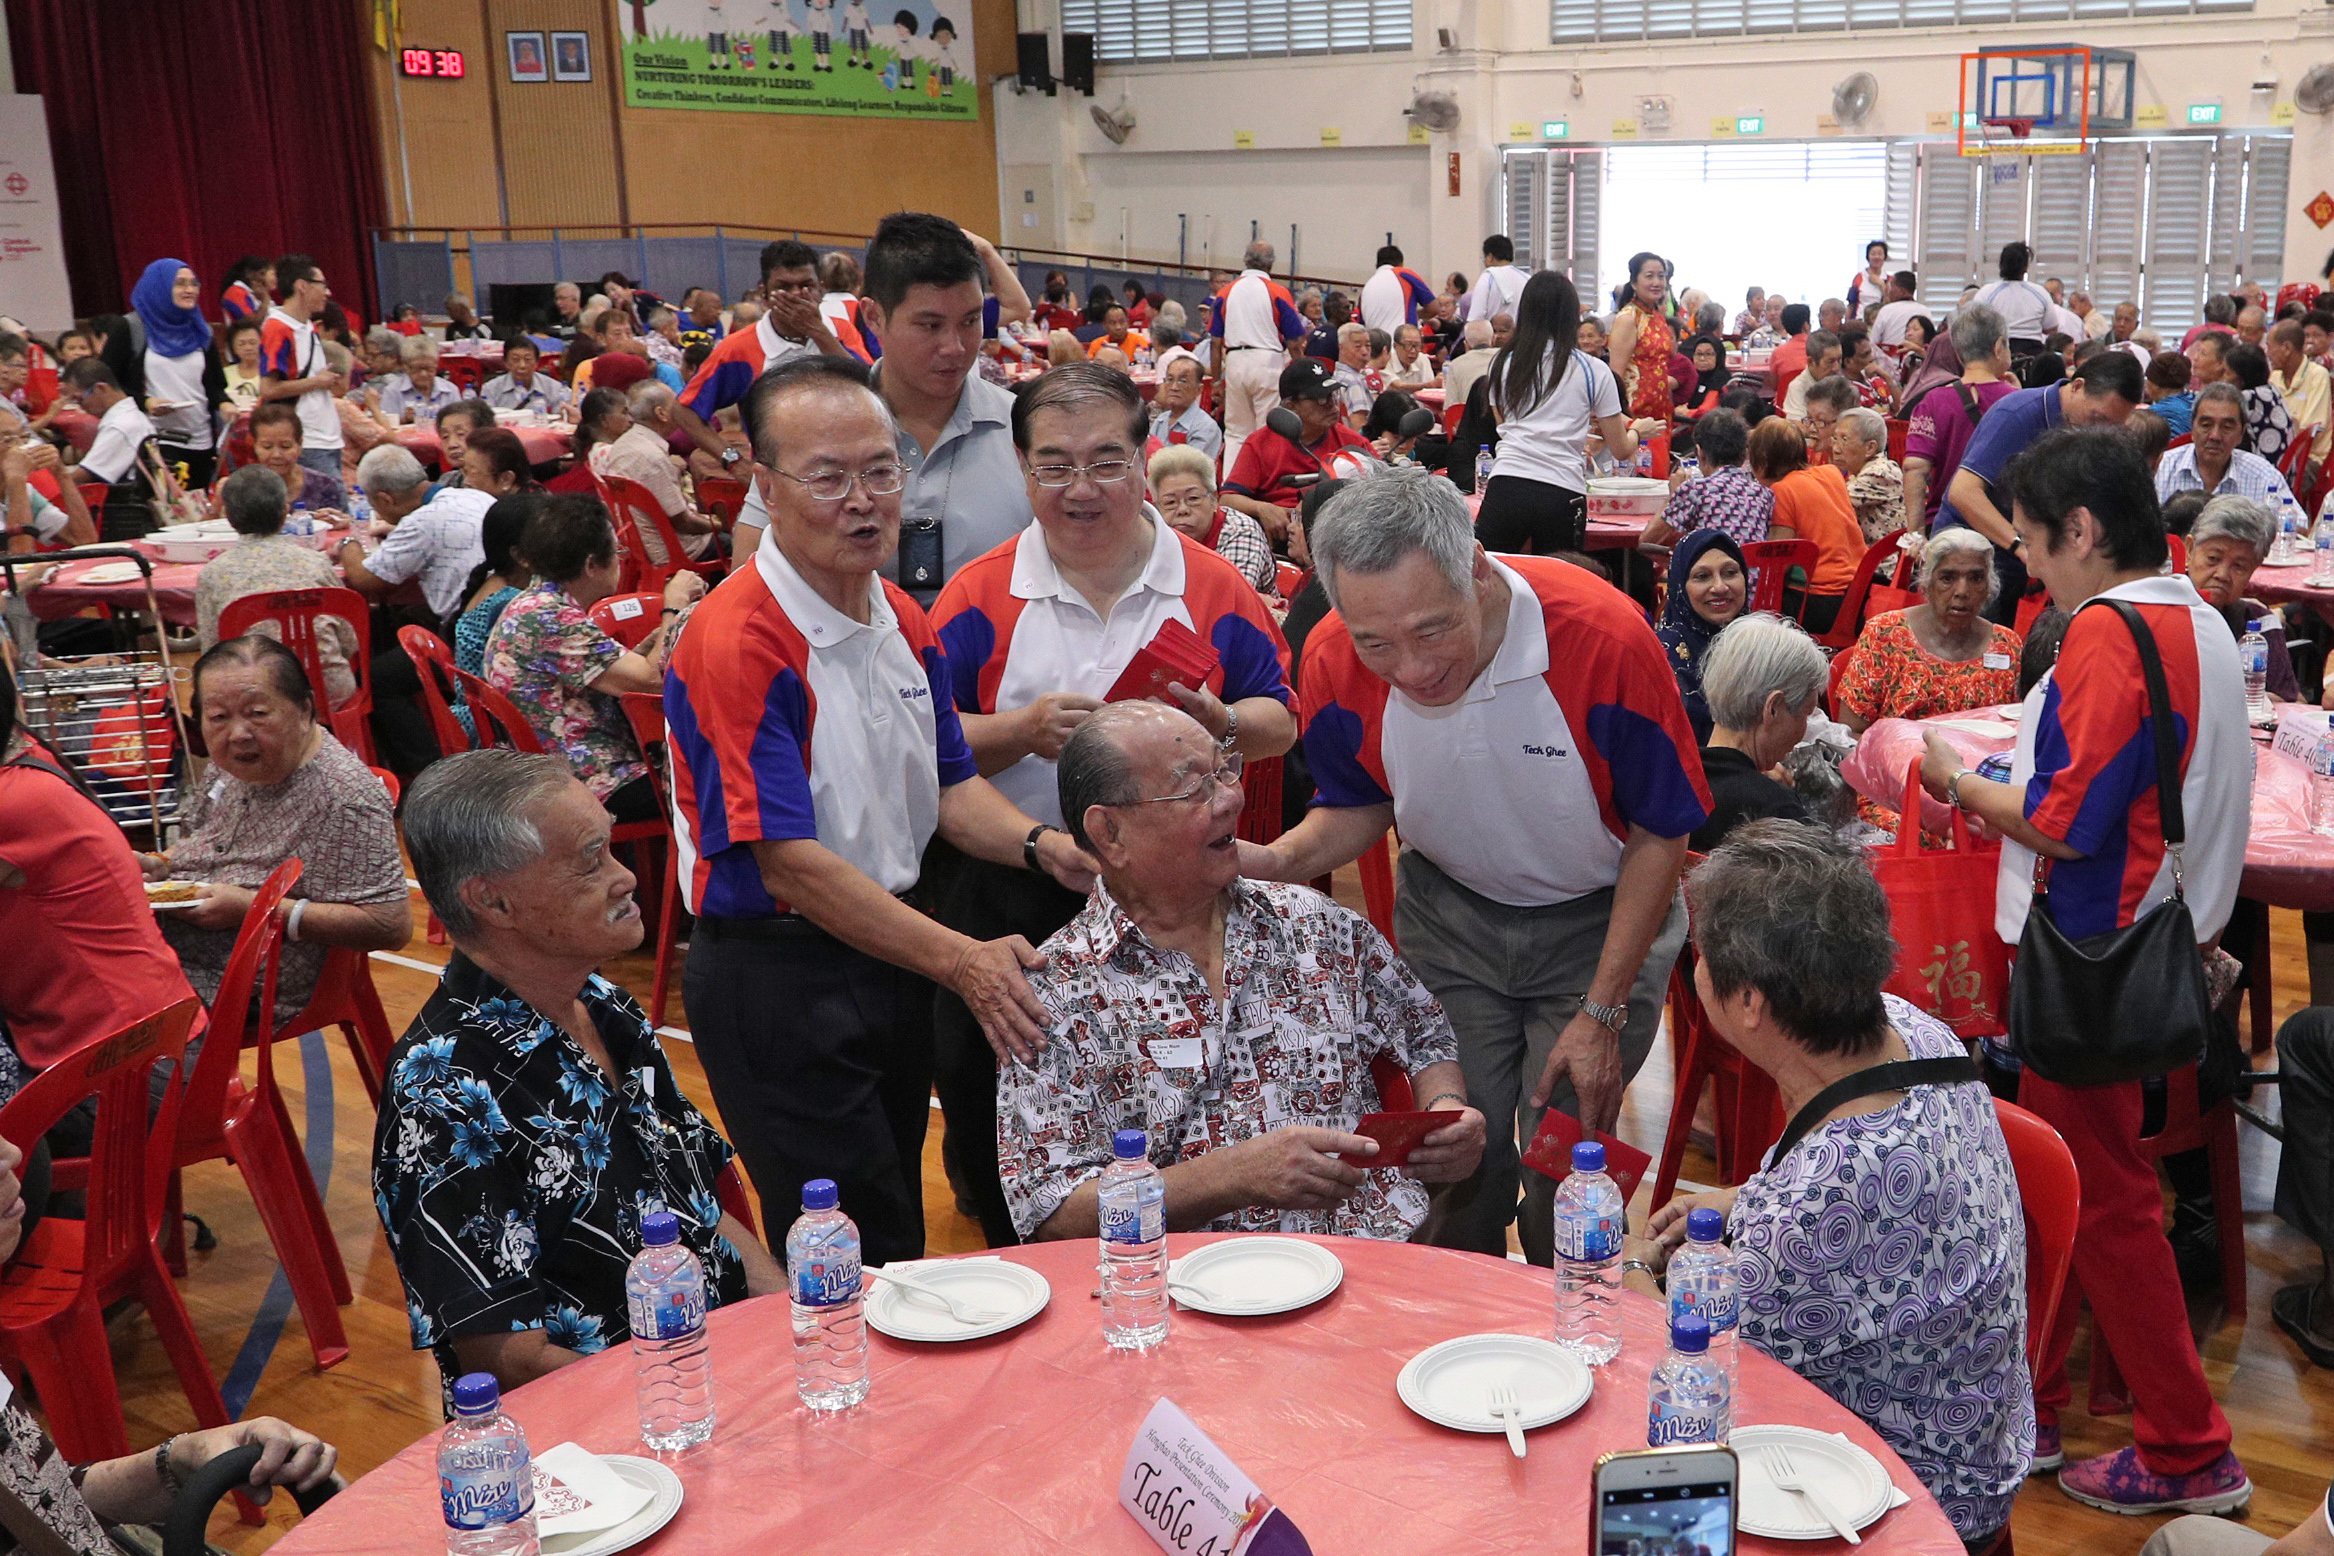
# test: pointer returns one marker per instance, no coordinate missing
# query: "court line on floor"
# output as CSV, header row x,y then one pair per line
x,y
267,1325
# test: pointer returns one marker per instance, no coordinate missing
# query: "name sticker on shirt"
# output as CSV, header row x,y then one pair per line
x,y
1176,1053
1997,661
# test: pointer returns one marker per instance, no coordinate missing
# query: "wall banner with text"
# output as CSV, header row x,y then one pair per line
x,y
885,59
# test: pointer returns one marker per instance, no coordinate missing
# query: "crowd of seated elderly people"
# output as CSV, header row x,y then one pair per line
x,y
997,518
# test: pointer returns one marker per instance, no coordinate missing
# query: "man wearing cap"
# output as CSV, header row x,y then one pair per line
x,y
1255,323
1272,470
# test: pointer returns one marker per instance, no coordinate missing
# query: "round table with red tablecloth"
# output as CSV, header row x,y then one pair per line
x,y
1014,1444
544,445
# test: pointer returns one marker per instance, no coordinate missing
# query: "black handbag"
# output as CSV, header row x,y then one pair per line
x,y
2129,1004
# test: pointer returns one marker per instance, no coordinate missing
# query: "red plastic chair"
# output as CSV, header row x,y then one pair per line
x,y
467,373
2189,1128
1770,562
228,1120
1260,814
2295,466
54,1293
433,665
648,728
638,514
2030,611
294,612
1898,430
1839,673
629,619
1850,622
1376,865
1289,579
2179,548
721,498
1750,1109
2052,1195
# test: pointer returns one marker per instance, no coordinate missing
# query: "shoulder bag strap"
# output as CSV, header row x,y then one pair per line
x,y
1971,406
2168,796
1896,1075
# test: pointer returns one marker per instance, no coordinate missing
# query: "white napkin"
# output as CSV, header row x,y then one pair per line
x,y
576,1494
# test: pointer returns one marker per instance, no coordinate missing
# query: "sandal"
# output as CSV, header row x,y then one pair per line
x,y
2296,1310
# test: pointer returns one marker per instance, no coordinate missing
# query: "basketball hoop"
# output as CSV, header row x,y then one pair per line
x,y
2019,128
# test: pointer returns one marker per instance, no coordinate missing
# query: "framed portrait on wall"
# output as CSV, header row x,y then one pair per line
x,y
571,56
529,59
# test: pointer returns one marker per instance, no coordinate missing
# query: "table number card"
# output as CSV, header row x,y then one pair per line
x,y
1193,1500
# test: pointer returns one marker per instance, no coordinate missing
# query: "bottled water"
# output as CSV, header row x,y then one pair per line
x,y
830,1332
2253,659
1483,460
2322,542
1687,1402
2322,785
1589,1221
360,507
483,1479
1134,1245
672,1372
2289,527
1701,1282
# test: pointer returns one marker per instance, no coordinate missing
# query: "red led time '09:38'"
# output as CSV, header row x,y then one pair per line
x,y
443,63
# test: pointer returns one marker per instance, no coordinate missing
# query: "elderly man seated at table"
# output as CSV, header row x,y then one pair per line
x,y
642,453
1411,367
279,785
432,537
416,394
2214,461
1460,373
263,561
1234,1021
1178,417
2225,548
521,386
1881,1252
1269,478
530,1120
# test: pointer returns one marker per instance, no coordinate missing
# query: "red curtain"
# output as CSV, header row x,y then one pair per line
x,y
204,130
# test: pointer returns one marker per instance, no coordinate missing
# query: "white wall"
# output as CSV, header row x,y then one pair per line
x,y
1181,154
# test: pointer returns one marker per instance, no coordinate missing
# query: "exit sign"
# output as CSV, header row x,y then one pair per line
x,y
2204,113
1750,126
1555,129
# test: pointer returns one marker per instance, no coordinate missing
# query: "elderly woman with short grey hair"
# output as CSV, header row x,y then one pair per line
x,y
1875,481
2226,544
1762,680
264,560
1880,1253
530,1097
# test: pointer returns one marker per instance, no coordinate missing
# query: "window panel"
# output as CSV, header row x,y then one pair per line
x,y
1131,31
1525,173
1588,21
2228,211
2179,208
1948,215
2119,197
2062,216
2265,210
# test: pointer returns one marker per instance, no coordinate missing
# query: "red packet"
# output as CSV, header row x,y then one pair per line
x,y
1398,1134
1550,1153
1175,653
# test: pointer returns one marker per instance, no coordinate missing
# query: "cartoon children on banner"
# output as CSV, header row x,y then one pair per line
x,y
822,35
856,30
783,31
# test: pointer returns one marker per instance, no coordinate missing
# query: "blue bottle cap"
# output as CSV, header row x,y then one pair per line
x,y
1690,1333
660,1227
1130,1145
476,1394
1704,1225
819,1194
1588,1156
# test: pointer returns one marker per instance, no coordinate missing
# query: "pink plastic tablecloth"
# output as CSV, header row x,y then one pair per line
x,y
2288,586
544,445
2286,864
63,594
1603,534
1014,1444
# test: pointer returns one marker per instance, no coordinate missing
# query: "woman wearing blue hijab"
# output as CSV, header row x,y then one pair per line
x,y
163,355
1708,587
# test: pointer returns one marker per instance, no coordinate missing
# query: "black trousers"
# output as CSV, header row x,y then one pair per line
x,y
820,1058
1821,610
1535,516
403,740
986,901
2305,1172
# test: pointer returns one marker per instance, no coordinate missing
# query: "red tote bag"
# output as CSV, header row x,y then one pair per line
x,y
1941,906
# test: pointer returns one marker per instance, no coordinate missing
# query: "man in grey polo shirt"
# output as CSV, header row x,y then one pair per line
x,y
965,493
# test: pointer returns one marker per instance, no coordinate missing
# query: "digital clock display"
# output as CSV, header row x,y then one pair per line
x,y
444,64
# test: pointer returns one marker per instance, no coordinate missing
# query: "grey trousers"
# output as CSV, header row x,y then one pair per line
x,y
1511,980
2197,1535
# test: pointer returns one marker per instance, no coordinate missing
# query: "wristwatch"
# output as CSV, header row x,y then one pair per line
x,y
1953,788
730,456
1029,847
1231,734
1611,1017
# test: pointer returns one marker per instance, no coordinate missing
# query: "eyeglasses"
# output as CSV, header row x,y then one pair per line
x,y
835,485
1103,472
1226,775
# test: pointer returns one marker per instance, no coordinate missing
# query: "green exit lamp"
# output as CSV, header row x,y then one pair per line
x,y
1752,126
1555,129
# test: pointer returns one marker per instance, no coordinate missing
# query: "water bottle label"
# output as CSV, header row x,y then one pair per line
x,y
2257,658
1719,1311
485,1498
1666,1427
1144,1222
1587,1237
827,1282
669,1314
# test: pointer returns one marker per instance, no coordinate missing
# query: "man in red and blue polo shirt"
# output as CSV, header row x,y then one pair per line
x,y
1037,632
792,326
1392,296
815,753
1512,717
1269,474
1254,324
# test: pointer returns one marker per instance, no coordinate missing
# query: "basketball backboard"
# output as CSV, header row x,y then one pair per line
x,y
2036,99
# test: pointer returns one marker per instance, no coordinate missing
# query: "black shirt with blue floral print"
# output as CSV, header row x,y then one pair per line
x,y
512,1176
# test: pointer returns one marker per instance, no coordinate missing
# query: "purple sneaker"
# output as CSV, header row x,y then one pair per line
x,y
2048,1452
2119,1483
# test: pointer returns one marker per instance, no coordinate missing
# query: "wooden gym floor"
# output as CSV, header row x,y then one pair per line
x,y
386,1394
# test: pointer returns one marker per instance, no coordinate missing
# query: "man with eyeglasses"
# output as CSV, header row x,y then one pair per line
x,y
1514,719
815,753
1037,632
790,326
1236,1021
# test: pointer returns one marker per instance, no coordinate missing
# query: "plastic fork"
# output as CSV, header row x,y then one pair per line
x,y
1785,1475
1509,1414
962,1312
